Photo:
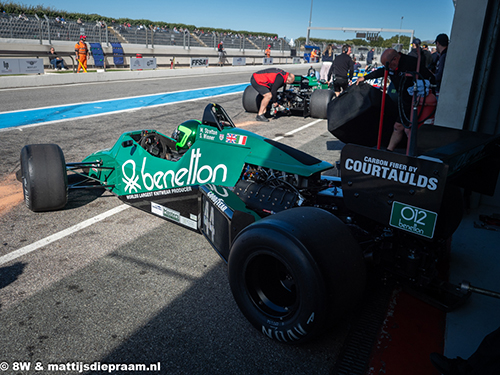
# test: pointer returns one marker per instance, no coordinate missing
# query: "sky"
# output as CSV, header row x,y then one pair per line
x,y
290,18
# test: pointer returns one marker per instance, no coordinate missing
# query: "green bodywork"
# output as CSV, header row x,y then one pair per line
x,y
216,157
313,82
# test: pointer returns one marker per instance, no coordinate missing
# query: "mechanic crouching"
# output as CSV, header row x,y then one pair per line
x,y
267,82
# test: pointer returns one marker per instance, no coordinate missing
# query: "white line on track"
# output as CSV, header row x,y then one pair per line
x,y
297,130
118,99
84,224
20,128
45,88
57,236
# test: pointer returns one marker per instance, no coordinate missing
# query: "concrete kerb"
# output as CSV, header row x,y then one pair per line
x,y
75,78
64,47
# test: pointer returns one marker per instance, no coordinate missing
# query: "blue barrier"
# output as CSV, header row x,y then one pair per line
x,y
97,54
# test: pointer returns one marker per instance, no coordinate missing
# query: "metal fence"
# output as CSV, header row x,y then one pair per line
x,y
44,28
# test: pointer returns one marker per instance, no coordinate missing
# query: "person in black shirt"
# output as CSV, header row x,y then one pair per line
x,y
427,55
399,65
342,70
442,42
370,56
327,62
55,60
423,49
415,48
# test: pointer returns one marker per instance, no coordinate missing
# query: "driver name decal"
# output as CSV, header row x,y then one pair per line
x,y
208,134
194,174
389,170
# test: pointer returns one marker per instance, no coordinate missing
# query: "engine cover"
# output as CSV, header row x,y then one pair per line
x,y
264,199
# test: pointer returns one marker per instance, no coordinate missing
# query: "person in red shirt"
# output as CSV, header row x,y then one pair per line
x,y
267,82
220,50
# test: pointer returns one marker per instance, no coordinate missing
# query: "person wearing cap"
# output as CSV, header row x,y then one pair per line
x,y
81,51
267,82
268,51
415,48
425,54
314,55
442,42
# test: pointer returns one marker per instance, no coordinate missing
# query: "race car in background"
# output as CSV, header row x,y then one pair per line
x,y
307,96
297,241
377,83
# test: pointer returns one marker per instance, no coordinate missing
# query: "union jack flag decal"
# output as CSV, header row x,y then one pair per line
x,y
236,139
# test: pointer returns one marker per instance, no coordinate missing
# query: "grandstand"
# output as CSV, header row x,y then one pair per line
x,y
53,29
114,43
34,27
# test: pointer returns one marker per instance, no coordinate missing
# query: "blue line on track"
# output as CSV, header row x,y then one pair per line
x,y
66,112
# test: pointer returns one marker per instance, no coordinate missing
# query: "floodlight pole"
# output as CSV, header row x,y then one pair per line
x,y
400,27
309,28
39,27
48,27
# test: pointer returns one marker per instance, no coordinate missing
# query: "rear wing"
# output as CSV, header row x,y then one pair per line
x,y
473,159
384,185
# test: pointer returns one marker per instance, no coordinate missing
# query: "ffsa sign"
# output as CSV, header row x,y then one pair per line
x,y
199,62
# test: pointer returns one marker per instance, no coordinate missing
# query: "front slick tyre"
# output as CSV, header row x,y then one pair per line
x,y
277,285
44,177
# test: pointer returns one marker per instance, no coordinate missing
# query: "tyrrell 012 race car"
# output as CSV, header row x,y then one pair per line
x,y
307,96
297,242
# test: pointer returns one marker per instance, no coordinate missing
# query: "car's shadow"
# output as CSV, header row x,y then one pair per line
x,y
80,196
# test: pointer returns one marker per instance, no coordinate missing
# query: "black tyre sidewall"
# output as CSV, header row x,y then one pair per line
x,y
310,314
44,178
336,252
318,104
251,100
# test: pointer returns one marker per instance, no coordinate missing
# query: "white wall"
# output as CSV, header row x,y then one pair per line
x,y
460,62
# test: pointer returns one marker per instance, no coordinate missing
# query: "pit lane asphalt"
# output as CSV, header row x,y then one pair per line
x,y
134,288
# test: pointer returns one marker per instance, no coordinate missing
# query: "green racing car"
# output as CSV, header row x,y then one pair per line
x,y
297,241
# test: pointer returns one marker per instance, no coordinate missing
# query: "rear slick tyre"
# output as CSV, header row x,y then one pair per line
x,y
318,104
296,272
277,285
44,177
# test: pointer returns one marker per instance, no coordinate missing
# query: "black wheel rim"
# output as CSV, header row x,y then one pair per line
x,y
271,285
